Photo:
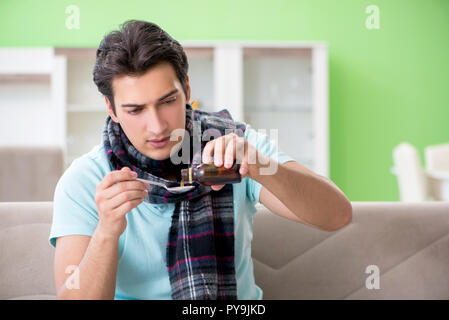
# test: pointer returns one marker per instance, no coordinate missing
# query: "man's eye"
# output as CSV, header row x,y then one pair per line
x,y
134,111
170,101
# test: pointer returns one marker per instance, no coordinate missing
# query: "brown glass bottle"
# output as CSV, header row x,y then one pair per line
x,y
209,174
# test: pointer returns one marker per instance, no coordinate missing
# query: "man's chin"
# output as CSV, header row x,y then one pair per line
x,y
154,153
158,155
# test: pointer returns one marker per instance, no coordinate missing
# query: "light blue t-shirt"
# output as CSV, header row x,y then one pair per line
x,y
142,272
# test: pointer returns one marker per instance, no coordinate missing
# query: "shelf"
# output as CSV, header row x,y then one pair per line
x,y
264,52
278,79
200,53
26,61
25,78
252,109
76,52
86,108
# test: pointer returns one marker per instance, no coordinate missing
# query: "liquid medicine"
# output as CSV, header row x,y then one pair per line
x,y
209,174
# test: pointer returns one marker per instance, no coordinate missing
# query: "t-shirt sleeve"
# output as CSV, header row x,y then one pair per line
x,y
267,147
74,207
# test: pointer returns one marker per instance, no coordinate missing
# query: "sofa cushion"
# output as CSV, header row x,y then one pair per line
x,y
26,264
31,174
407,242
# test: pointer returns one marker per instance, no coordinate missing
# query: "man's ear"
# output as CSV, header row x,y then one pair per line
x,y
110,110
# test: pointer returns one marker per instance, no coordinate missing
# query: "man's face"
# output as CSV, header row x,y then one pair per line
x,y
150,107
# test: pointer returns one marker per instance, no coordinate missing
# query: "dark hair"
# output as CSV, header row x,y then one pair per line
x,y
132,50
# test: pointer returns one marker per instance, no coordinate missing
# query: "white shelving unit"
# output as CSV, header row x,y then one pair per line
x,y
48,95
275,85
201,75
86,109
279,94
32,82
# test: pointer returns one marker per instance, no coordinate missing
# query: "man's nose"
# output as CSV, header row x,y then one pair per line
x,y
155,123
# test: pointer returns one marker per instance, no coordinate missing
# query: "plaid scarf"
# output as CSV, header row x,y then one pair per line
x,y
200,247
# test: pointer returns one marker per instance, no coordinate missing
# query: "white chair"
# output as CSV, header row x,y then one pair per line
x,y
437,157
412,179
437,167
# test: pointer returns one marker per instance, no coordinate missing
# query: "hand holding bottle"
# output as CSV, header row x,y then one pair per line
x,y
228,149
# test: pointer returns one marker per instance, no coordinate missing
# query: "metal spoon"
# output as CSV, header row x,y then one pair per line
x,y
171,189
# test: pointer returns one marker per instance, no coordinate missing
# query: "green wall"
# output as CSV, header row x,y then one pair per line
x,y
386,86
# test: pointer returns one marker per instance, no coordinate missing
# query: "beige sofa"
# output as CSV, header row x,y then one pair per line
x,y
408,243
30,173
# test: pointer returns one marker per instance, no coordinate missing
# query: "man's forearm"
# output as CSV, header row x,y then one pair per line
x,y
313,198
97,271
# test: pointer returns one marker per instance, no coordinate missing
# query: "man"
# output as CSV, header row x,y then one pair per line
x,y
122,239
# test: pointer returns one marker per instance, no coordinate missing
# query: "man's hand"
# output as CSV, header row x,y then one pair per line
x,y
115,200
231,148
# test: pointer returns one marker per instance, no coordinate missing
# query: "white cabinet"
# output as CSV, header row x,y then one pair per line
x,y
285,89
31,84
269,85
273,85
86,108
201,75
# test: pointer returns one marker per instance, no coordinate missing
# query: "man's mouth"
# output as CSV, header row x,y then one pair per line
x,y
159,143
159,140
